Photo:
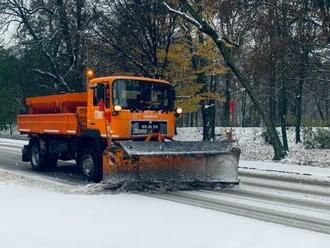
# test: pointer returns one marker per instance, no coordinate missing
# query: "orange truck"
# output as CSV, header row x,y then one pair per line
x,y
121,128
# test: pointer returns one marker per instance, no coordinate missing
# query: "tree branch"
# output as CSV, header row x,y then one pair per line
x,y
183,15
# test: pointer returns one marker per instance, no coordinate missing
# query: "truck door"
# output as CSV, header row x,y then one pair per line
x,y
99,99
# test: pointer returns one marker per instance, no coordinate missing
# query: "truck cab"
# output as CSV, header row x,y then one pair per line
x,y
130,107
82,125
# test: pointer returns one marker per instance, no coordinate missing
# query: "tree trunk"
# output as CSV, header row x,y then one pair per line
x,y
226,105
272,97
272,84
208,115
283,115
273,62
299,94
196,119
327,112
298,110
212,108
11,128
283,67
243,108
212,118
206,122
319,108
201,77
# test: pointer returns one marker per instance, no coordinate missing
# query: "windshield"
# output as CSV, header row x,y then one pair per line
x,y
143,95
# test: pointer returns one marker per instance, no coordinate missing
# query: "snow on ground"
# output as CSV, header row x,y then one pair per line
x,y
254,147
13,142
39,212
310,173
39,217
23,179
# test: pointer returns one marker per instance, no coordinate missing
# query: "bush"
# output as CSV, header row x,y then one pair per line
x,y
308,122
317,139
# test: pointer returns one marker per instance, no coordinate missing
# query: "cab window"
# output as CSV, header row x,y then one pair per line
x,y
101,92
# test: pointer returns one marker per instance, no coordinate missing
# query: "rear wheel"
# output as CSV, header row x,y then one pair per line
x,y
41,161
91,165
36,158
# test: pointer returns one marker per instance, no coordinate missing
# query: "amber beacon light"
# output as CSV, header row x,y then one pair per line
x,y
90,73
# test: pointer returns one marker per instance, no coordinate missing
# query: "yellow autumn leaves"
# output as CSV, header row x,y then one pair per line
x,y
183,71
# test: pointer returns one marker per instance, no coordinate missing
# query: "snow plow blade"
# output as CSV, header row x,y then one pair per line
x,y
172,161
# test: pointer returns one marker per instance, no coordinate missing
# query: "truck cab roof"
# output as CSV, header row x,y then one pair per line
x,y
113,78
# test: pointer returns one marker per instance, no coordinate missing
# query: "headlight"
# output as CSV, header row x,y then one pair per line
x,y
179,111
117,108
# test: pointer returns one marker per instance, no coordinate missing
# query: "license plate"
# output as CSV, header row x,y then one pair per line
x,y
147,127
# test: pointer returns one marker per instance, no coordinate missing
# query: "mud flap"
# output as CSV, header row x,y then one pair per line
x,y
174,161
26,154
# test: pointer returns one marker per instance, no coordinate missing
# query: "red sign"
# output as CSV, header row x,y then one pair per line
x,y
232,106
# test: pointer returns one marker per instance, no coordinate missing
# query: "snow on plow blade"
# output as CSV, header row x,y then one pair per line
x,y
173,161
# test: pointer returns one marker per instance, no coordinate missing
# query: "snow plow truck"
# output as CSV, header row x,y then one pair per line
x,y
121,128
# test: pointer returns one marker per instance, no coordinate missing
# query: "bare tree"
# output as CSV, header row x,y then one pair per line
x,y
56,29
135,31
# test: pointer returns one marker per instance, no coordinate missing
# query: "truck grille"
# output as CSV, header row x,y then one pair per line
x,y
147,127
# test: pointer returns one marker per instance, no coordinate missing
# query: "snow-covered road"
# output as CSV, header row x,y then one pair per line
x,y
286,202
47,210
35,216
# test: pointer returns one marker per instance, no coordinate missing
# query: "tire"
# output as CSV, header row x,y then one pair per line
x,y
36,157
91,165
41,161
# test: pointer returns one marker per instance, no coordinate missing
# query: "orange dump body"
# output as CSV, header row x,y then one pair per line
x,y
62,103
55,114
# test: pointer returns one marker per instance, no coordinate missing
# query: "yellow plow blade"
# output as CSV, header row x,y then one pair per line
x,y
172,161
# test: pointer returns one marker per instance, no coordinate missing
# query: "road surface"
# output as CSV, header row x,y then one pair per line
x,y
285,200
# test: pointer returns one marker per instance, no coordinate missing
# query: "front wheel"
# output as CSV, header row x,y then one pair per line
x,y
91,165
